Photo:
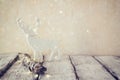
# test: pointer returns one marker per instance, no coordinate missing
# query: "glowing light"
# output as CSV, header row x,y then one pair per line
x,y
61,12
87,31
35,30
36,76
19,61
48,76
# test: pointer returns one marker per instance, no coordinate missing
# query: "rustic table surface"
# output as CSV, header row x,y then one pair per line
x,y
69,68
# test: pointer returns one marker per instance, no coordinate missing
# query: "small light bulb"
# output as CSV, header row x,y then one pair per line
x,y
60,11
87,30
35,30
48,76
36,76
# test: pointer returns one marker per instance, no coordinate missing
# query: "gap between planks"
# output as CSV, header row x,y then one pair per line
x,y
74,68
112,73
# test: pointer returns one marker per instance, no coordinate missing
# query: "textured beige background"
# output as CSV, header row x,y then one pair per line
x,y
80,26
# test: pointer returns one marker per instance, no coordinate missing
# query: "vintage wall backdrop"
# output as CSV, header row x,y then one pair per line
x,y
79,26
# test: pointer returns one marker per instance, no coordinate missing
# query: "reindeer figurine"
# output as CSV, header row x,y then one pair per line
x,y
37,44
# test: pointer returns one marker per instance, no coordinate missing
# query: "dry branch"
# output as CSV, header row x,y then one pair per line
x,y
28,62
33,66
7,67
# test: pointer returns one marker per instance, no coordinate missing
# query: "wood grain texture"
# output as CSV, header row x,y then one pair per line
x,y
112,63
17,71
85,67
59,70
89,69
5,58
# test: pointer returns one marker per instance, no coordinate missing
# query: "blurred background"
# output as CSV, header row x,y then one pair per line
x,y
88,27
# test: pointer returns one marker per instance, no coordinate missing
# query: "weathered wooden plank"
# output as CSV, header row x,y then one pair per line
x,y
17,71
8,66
88,68
59,70
56,70
5,58
112,64
55,57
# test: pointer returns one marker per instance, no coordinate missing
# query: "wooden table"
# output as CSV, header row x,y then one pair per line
x,y
69,68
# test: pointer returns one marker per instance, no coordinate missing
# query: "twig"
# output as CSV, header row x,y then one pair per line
x,y
36,67
8,66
